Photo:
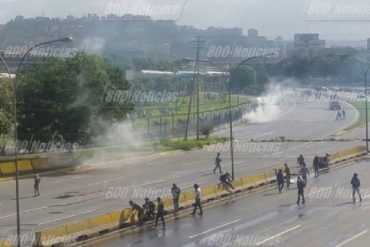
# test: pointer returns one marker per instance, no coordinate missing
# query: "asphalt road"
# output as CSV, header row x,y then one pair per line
x,y
328,218
72,195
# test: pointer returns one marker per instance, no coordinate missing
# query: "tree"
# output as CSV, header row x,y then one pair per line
x,y
6,110
70,100
244,78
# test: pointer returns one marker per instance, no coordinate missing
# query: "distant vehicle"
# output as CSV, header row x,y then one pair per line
x,y
334,106
361,96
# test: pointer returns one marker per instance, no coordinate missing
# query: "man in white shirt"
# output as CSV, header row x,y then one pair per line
x,y
198,198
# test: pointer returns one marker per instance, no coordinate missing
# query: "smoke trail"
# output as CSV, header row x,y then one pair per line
x,y
271,105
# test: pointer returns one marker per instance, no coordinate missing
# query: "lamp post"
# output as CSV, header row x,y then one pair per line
x,y
14,89
230,112
365,73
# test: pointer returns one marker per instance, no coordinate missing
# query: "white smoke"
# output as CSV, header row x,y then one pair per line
x,y
277,101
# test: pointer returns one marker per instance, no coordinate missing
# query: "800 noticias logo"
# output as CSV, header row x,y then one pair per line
x,y
156,9
113,95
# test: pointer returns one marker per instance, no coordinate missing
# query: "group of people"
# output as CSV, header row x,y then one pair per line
x,y
304,173
150,211
341,114
224,178
155,211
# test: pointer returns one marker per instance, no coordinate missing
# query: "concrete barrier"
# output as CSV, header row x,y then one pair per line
x,y
6,244
8,168
347,154
51,236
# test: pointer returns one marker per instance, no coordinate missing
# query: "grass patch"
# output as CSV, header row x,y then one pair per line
x,y
360,106
190,144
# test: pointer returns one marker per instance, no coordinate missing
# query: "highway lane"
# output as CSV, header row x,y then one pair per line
x,y
329,218
72,195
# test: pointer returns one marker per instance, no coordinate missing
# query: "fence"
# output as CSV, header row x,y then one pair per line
x,y
170,124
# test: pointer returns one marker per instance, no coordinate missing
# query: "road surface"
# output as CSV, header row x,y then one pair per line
x,y
69,196
328,218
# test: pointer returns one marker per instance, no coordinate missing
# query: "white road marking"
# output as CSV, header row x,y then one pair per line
x,y
352,238
215,228
23,212
107,181
135,185
263,134
320,190
279,234
148,183
69,179
66,217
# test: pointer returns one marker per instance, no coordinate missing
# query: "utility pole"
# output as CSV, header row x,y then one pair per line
x,y
198,47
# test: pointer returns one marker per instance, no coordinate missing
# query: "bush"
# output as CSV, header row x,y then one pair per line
x,y
206,130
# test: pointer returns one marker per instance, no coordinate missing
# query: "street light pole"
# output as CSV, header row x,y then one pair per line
x,y
14,89
366,114
230,112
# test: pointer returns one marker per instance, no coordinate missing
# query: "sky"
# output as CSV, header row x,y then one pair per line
x,y
339,20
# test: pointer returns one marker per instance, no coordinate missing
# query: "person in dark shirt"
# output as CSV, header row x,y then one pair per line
x,y
316,166
304,172
175,191
226,181
300,185
140,211
217,163
160,212
279,179
300,160
149,208
287,174
355,181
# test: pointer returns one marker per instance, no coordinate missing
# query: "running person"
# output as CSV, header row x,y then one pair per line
x,y
226,181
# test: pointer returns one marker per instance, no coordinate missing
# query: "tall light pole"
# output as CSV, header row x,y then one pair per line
x,y
365,72
14,89
230,112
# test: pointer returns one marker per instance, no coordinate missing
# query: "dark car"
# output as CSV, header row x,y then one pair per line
x,y
334,106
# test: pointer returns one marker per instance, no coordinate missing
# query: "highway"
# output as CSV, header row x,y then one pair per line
x,y
86,192
328,218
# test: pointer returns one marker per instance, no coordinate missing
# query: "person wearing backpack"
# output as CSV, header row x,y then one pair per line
x,y
175,191
355,181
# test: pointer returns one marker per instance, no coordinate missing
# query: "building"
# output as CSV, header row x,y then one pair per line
x,y
308,41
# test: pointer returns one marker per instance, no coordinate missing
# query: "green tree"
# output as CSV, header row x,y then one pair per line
x,y
244,78
70,99
6,110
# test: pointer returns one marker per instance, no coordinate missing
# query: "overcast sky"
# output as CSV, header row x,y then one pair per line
x,y
345,19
